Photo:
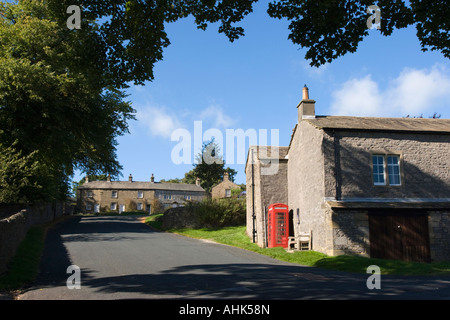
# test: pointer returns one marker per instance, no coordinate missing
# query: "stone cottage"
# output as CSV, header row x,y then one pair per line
x,y
377,187
223,189
119,196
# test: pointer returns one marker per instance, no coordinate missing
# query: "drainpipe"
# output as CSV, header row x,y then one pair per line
x,y
253,202
337,165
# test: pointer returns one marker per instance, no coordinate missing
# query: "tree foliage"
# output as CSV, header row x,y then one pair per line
x,y
131,33
54,104
332,28
210,166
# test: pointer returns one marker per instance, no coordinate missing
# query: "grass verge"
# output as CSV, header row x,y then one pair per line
x,y
236,236
24,267
25,264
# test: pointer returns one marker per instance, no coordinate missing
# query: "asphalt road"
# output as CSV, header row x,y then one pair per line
x,y
122,258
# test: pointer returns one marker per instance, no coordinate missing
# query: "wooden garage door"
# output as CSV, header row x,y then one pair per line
x,y
399,236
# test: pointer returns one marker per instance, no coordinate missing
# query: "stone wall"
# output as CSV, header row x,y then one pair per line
x,y
425,164
180,217
439,229
14,228
306,186
351,232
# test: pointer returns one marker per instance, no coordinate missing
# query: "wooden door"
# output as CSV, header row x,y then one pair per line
x,y
399,236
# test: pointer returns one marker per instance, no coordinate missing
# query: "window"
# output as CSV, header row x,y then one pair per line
x,y
378,170
227,193
167,197
386,170
89,194
139,206
113,194
140,194
394,170
113,206
187,197
88,207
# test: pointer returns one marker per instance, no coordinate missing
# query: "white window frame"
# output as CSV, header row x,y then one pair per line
x,y
88,207
392,166
140,194
114,194
113,206
89,194
377,165
390,171
167,197
186,197
227,193
139,206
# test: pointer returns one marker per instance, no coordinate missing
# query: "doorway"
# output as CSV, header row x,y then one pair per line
x,y
399,235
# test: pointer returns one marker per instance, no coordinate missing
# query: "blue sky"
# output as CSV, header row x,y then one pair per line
x,y
256,83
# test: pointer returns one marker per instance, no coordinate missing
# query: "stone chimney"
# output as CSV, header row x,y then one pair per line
x,y
226,177
197,182
130,178
108,178
306,107
86,179
152,179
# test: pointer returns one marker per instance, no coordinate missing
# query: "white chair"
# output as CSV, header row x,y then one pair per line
x,y
301,242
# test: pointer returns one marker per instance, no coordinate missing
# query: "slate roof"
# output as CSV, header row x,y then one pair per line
x,y
419,125
267,153
140,185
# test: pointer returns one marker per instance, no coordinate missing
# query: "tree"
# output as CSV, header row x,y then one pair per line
x,y
16,175
132,35
210,166
332,28
54,103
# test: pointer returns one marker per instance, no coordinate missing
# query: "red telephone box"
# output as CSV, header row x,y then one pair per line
x,y
278,225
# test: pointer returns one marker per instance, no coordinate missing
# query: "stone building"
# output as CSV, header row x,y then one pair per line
x,y
266,180
376,187
223,189
119,196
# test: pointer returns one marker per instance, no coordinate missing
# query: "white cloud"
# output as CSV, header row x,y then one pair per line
x,y
413,92
158,121
217,116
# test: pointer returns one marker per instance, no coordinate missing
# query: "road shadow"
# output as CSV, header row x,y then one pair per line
x,y
264,282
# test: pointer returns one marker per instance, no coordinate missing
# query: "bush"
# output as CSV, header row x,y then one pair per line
x,y
218,213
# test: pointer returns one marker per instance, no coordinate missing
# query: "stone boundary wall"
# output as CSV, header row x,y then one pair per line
x,y
14,228
439,229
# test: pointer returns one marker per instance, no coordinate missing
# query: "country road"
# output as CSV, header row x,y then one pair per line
x,y
121,258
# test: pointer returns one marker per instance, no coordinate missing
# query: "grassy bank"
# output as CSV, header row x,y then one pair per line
x,y
25,265
235,236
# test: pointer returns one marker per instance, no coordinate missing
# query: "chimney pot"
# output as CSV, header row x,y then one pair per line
x,y
306,107
130,178
86,179
225,176
152,179
108,178
197,181
305,93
